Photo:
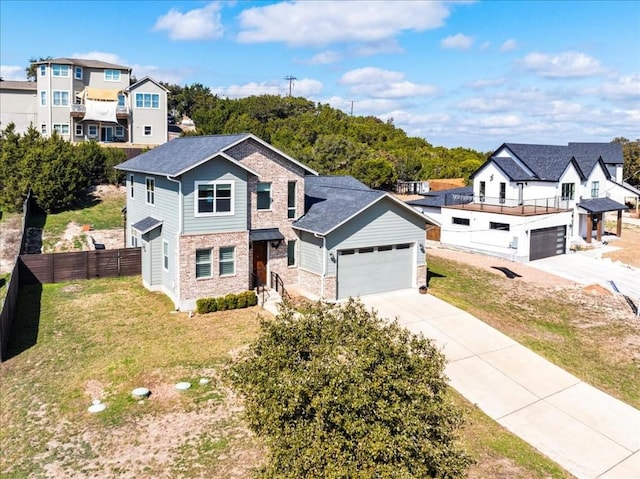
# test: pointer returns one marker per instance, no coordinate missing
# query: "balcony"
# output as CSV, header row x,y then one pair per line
x,y
78,110
509,206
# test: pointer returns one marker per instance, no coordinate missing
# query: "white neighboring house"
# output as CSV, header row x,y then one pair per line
x,y
87,100
531,201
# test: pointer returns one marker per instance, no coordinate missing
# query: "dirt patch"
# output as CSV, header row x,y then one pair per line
x,y
10,234
596,289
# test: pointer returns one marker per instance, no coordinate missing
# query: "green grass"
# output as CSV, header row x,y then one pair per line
x,y
115,334
4,284
575,334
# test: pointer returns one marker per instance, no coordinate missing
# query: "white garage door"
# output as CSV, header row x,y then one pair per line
x,y
374,270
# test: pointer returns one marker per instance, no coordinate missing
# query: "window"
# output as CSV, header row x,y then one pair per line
x,y
264,196
385,248
503,192
203,263
43,129
227,260
214,198
291,253
151,191
121,100
147,130
92,131
79,129
498,226
61,128
365,250
165,255
147,100
60,70
131,186
119,130
43,70
112,75
134,238
483,190
291,199
77,98
595,189
568,190
460,221
60,98
43,98
77,73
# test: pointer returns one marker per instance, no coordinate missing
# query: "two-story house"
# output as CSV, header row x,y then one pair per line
x,y
222,214
87,100
530,201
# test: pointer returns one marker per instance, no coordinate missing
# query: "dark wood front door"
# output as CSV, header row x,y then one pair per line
x,y
260,260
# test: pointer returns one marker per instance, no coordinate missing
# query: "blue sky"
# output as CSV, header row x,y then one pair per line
x,y
471,74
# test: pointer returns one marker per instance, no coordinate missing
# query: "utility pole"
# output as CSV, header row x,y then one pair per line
x,y
290,79
352,102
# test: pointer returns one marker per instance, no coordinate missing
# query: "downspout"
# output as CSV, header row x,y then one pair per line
x,y
178,235
324,262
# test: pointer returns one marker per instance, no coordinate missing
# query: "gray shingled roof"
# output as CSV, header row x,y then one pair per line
x,y
146,224
601,205
332,200
266,234
437,198
81,62
177,156
18,85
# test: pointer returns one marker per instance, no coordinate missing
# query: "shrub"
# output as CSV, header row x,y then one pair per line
x,y
206,305
241,301
222,303
252,298
231,301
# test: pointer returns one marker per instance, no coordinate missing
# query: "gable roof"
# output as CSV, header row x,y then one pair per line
x,y
83,63
185,153
601,205
18,85
144,80
331,201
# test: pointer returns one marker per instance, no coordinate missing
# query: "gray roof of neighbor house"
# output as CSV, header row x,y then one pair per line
x,y
18,85
437,199
81,62
548,162
601,205
182,154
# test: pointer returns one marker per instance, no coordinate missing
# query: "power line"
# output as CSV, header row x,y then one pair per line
x,y
290,79
352,102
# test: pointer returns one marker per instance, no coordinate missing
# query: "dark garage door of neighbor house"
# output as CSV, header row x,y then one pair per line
x,y
547,242
374,270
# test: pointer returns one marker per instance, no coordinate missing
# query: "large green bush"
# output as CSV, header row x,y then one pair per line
x,y
340,393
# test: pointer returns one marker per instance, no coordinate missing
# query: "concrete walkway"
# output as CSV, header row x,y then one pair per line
x,y
589,433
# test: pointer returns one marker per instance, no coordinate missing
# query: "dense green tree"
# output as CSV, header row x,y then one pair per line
x,y
31,70
631,155
338,392
377,173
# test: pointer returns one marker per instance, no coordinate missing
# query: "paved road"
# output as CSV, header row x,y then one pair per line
x,y
589,433
585,268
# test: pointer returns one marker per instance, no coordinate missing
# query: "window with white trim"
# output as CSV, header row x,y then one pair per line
x,y
77,99
60,98
203,263
264,196
121,100
119,131
60,70
112,75
61,128
79,130
131,190
43,98
151,190
213,198
165,255
134,238
568,191
147,100
291,253
291,199
43,129
227,260
92,131
595,189
77,73
43,70
147,130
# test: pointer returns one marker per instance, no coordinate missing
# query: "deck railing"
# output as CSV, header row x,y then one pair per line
x,y
278,285
479,202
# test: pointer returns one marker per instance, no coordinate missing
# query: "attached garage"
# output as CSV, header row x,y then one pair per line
x,y
547,242
372,270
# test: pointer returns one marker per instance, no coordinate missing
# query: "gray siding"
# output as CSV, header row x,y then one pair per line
x,y
155,252
310,252
218,169
385,223
156,118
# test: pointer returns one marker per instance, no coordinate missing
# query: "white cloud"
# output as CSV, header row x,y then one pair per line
x,y
485,45
486,83
457,42
197,24
485,105
498,121
300,23
12,72
509,45
563,65
626,87
377,83
305,87
324,58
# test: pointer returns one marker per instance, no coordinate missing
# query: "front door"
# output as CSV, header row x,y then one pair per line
x,y
260,260
106,133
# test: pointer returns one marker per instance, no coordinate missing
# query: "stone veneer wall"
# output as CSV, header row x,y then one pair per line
x,y
192,288
312,283
421,275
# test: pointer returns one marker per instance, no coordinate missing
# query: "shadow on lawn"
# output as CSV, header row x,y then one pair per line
x,y
26,321
433,274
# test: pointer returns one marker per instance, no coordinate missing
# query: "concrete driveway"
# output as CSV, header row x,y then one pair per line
x,y
589,433
587,267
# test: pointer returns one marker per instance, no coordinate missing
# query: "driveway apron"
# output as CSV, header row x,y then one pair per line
x,y
589,433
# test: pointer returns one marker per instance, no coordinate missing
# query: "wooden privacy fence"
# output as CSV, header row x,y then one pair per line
x,y
57,267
